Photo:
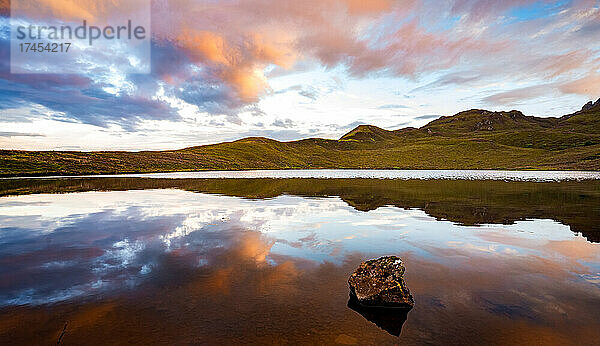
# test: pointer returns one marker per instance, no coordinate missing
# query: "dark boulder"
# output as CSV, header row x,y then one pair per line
x,y
379,283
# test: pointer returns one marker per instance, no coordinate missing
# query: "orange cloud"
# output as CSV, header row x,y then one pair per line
x,y
371,6
233,42
97,12
240,65
205,45
237,40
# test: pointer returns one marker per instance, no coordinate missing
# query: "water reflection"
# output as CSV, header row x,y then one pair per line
x,y
389,319
170,266
469,202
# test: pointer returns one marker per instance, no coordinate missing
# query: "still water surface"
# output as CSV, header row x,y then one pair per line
x,y
265,261
366,174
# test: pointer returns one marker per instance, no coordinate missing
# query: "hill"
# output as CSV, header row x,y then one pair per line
x,y
474,139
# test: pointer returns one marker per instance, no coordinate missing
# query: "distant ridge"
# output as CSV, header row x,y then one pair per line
x,y
481,120
590,106
473,139
478,120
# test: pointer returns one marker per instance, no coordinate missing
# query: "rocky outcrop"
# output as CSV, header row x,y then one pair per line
x,y
379,283
587,106
590,105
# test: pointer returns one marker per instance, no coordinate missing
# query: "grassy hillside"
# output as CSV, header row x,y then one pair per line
x,y
475,139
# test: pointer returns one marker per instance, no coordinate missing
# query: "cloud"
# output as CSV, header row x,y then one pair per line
x,y
81,98
91,105
287,134
427,117
587,86
285,123
307,91
518,95
312,94
392,106
219,56
479,10
19,134
350,126
400,125
331,32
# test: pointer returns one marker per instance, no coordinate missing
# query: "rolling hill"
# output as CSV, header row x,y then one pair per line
x,y
474,139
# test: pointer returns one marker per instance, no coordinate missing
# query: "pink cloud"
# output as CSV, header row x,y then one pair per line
x,y
587,86
232,42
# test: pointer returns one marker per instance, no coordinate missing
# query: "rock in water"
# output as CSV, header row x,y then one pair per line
x,y
379,283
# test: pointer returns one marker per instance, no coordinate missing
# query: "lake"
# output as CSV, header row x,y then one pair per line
x,y
263,257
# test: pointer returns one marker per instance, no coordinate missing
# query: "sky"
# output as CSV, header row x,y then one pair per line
x,y
288,69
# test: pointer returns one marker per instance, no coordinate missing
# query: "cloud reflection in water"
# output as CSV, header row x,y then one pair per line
x,y
207,260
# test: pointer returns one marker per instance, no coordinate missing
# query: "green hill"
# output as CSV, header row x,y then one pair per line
x,y
475,139
368,133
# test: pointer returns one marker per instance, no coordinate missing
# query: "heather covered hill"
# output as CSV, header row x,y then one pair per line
x,y
474,139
